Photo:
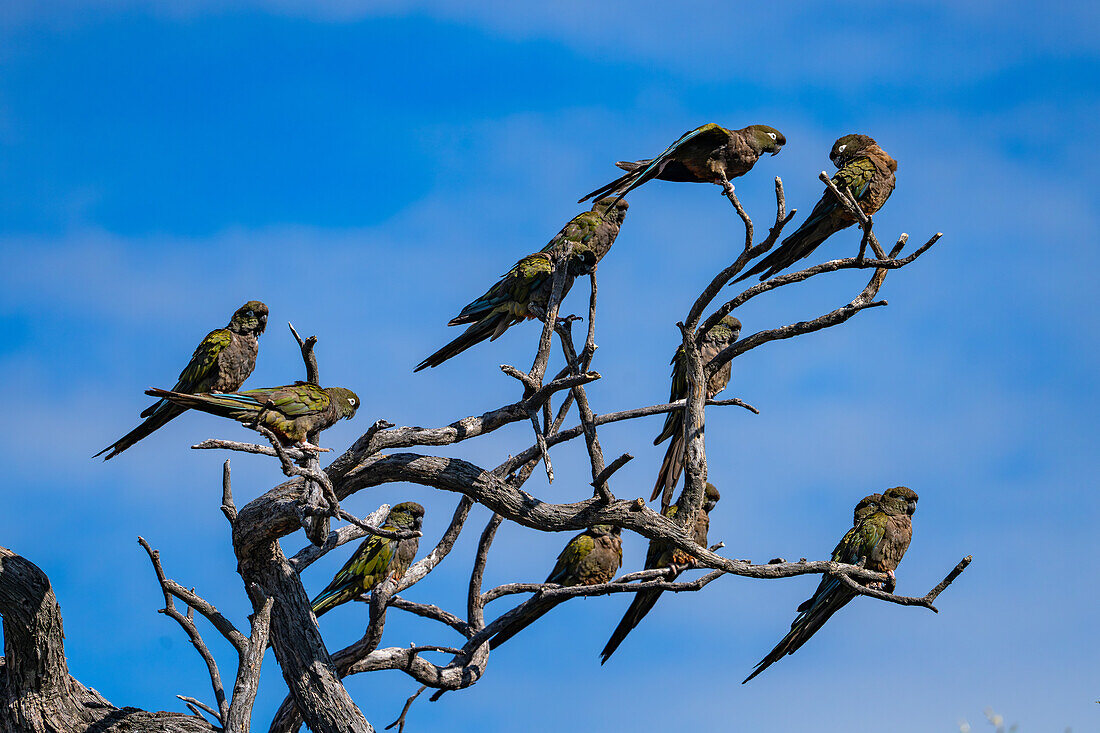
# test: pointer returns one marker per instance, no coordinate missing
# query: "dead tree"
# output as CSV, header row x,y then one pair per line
x,y
37,694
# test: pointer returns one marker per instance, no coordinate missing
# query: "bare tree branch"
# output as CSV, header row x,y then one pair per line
x,y
186,621
239,717
400,722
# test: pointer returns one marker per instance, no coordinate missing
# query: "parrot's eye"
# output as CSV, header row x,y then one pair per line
x,y
352,401
841,148
771,135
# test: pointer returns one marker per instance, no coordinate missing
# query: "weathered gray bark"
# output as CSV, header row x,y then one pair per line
x,y
307,668
37,695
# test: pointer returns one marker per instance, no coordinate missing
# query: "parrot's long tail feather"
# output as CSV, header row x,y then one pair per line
x,y
620,185
792,249
475,334
328,599
159,417
153,408
535,613
669,473
641,605
805,626
224,405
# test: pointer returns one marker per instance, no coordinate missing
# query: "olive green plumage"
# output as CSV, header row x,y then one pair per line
x,y
662,555
867,170
590,558
221,363
707,154
375,560
721,335
867,506
882,531
524,291
292,411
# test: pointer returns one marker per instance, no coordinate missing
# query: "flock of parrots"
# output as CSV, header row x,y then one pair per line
x,y
881,528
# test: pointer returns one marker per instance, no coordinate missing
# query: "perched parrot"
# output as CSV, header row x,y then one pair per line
x,y
292,412
590,558
661,555
221,363
707,154
882,536
524,291
376,559
867,506
867,170
721,335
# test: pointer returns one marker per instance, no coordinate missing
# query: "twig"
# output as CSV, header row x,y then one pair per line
x,y
590,347
229,509
193,601
308,356
654,580
420,569
531,387
368,528
849,202
434,613
719,281
728,192
565,435
611,469
559,275
475,603
584,410
311,553
400,722
196,705
924,601
263,450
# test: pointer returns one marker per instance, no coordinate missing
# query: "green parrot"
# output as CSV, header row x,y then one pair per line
x,y
720,335
590,558
867,170
707,154
881,534
221,363
661,555
524,291
292,411
376,559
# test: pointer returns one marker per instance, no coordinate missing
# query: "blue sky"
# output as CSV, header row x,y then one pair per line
x,y
368,168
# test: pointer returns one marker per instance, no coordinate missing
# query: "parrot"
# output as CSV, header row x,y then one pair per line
x,y
292,411
707,154
221,363
867,170
720,335
376,559
881,535
524,291
661,555
590,558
